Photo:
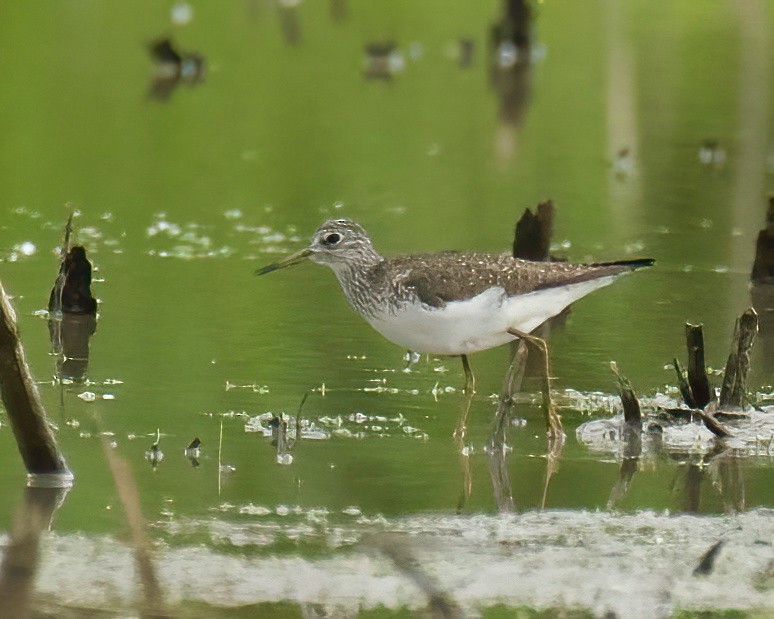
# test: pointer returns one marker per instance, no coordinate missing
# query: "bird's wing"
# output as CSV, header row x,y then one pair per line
x,y
437,279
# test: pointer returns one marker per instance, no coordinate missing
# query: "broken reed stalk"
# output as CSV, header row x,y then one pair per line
x,y
24,407
631,406
733,393
440,604
129,495
713,425
682,383
632,436
632,431
298,419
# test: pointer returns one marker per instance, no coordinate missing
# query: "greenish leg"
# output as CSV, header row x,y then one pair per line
x,y
553,420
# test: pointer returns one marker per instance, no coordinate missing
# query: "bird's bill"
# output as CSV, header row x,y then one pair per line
x,y
299,256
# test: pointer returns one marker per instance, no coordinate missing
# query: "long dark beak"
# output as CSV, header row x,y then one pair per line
x,y
299,256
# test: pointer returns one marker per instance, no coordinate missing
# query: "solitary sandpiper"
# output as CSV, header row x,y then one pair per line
x,y
451,303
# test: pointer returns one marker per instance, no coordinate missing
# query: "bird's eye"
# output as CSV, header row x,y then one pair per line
x,y
331,239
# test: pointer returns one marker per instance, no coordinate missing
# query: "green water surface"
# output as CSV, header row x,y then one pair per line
x,y
282,134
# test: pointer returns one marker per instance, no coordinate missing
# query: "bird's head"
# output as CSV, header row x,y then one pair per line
x,y
337,243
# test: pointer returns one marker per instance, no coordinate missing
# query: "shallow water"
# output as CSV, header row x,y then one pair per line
x,y
181,200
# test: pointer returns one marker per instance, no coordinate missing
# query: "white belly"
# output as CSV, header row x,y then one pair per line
x,y
464,327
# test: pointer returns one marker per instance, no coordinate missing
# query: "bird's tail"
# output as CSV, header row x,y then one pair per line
x,y
638,263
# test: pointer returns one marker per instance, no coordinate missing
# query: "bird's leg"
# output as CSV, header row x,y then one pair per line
x,y
470,380
553,420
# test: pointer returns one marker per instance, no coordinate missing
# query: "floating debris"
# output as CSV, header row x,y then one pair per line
x,y
712,154
254,387
464,52
181,13
352,511
623,162
193,452
355,425
707,563
383,61
154,455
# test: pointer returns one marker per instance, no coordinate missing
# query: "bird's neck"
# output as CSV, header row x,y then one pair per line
x,y
364,291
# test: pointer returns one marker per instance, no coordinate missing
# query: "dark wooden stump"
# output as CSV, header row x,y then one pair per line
x,y
532,238
71,293
693,384
632,434
697,371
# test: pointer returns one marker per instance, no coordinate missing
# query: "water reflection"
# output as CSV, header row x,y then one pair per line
x,y
498,448
22,551
723,466
70,337
510,69
289,22
339,10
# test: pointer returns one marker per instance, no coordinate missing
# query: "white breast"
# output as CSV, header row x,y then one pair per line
x,y
463,327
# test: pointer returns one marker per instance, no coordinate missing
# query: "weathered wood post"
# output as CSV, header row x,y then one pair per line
x,y
44,462
733,393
